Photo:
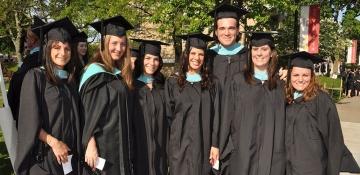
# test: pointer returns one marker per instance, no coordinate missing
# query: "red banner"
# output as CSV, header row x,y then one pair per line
x,y
309,28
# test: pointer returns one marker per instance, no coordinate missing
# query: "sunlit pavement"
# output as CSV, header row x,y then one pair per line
x,y
349,112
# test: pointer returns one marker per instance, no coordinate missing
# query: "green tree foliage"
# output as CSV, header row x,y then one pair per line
x,y
6,45
177,17
174,17
351,25
13,19
280,16
332,41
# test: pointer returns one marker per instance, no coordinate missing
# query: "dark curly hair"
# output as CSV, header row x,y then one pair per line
x,y
159,78
206,82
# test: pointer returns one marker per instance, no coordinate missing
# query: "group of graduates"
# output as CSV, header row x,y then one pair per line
x,y
351,82
225,111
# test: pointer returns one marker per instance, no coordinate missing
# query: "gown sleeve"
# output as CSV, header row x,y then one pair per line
x,y
217,113
169,98
29,121
94,94
330,128
227,112
348,163
13,95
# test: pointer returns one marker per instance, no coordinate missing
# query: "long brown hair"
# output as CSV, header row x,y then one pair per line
x,y
159,78
124,63
50,66
308,93
206,82
271,69
30,34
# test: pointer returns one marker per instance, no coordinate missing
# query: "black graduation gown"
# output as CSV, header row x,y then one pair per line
x,y
13,94
150,130
252,128
106,116
223,67
53,108
192,112
314,140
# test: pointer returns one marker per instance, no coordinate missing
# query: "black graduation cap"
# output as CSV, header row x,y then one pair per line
x,y
152,47
226,10
197,40
116,26
61,30
80,37
303,59
134,53
37,22
260,38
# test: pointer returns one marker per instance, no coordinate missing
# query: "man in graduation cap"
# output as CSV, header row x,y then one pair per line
x,y
30,61
228,56
313,138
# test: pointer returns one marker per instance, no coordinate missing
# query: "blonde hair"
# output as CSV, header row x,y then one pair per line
x,y
124,63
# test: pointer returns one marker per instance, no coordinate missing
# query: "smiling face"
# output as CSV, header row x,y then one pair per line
x,y
261,56
227,31
151,64
117,47
196,59
60,54
300,78
82,48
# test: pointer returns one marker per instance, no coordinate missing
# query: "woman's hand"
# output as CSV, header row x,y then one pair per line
x,y
283,74
60,149
214,155
91,153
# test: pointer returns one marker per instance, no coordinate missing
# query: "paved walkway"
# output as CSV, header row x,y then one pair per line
x,y
349,112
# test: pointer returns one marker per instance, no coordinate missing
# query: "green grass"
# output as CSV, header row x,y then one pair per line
x,y
1,101
5,164
11,66
329,84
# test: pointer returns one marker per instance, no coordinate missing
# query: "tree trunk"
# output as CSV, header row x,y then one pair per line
x,y
177,46
16,37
